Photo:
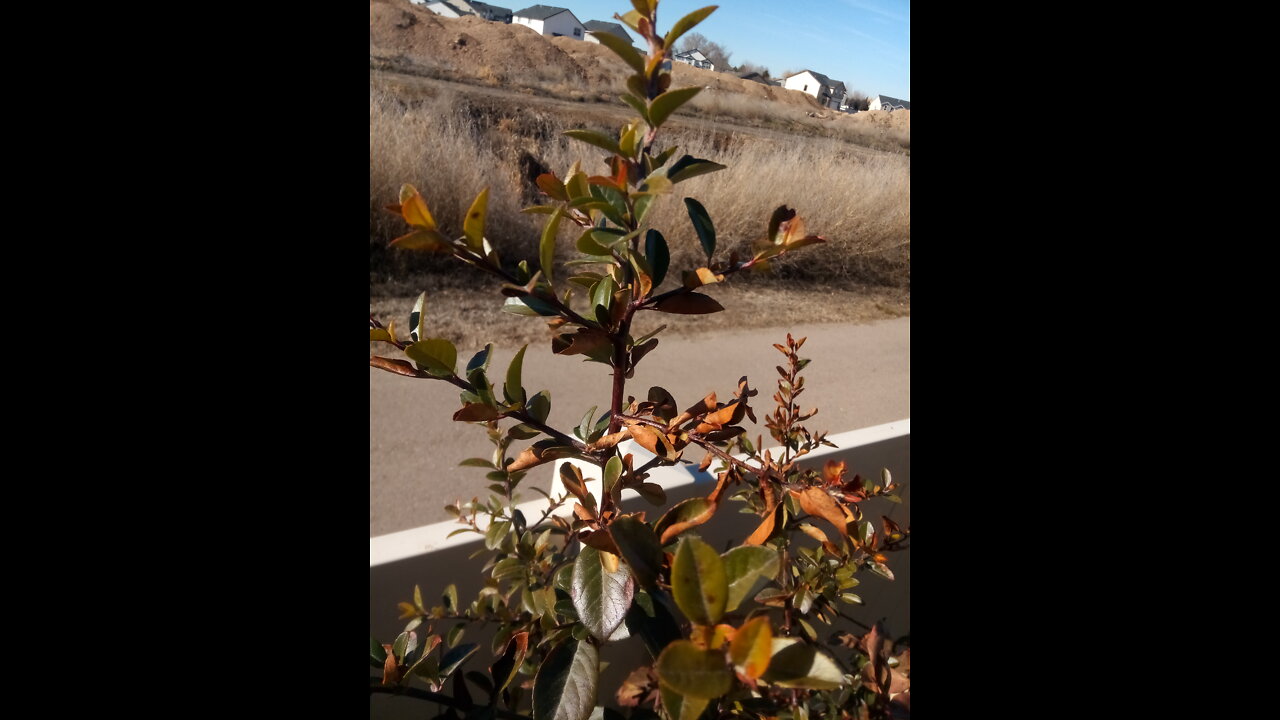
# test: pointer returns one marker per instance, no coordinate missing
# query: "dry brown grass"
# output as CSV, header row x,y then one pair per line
x,y
450,145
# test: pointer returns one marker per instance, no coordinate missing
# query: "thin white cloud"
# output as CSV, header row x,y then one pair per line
x,y
877,10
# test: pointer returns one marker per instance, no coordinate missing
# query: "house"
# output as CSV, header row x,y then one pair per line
x,y
596,26
695,58
884,102
550,21
458,8
829,93
755,77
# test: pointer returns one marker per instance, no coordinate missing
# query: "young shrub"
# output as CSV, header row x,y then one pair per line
x,y
728,634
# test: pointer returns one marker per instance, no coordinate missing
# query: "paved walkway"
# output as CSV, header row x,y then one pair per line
x,y
860,376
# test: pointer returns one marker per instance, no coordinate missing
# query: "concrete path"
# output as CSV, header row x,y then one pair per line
x,y
860,376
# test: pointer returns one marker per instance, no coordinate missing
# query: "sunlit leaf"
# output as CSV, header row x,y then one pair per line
x,y
796,664
689,166
473,224
818,502
591,137
694,672
621,48
436,356
752,647
779,216
681,707
686,23
513,390
420,239
547,248
665,104
699,583
744,567
601,594
414,208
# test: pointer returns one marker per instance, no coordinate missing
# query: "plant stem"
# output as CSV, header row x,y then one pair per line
x,y
376,686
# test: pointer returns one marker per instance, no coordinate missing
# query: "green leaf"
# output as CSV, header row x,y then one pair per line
x,y
638,544
565,686
656,252
694,672
622,49
377,653
404,644
616,211
496,533
455,657
699,584
481,359
473,225
529,305
539,406
681,707
689,166
513,390
600,596
638,105
547,249
631,19
796,664
702,225
685,24
666,103
612,471
417,318
591,137
603,294
437,356
744,566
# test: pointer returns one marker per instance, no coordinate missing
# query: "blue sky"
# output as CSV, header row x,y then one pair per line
x,y
865,43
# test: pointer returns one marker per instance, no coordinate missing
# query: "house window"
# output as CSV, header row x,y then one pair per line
x,y
806,87
577,32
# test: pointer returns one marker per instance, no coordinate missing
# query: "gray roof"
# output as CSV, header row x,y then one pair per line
x,y
491,8
540,12
598,26
826,81
895,101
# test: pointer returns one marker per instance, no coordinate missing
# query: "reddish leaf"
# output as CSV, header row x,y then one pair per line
x,y
818,502
399,367
475,412
552,186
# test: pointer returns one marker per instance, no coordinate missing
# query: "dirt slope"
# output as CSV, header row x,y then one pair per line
x,y
405,36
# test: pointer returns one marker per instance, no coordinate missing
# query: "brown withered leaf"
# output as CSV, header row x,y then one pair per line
x,y
833,472
664,406
706,462
766,528
818,502
586,341
600,540
529,457
713,502
609,441
390,671
399,367
475,412
640,688
653,441
584,514
689,303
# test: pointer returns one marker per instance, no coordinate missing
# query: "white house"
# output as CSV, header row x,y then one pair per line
x,y
458,8
596,26
550,21
829,93
695,58
884,102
